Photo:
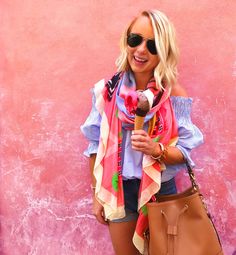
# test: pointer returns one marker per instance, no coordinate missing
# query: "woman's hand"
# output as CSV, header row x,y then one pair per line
x,y
142,142
98,211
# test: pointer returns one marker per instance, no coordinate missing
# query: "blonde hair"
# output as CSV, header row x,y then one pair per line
x,y
165,72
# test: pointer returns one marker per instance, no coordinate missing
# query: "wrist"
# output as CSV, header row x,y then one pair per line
x,y
159,152
93,188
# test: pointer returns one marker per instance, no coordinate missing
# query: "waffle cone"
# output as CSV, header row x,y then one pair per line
x,y
138,122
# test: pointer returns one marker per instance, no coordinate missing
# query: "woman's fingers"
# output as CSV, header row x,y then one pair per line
x,y
139,135
100,218
139,138
142,142
139,132
98,212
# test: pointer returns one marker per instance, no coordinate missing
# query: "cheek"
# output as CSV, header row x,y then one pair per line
x,y
154,61
130,52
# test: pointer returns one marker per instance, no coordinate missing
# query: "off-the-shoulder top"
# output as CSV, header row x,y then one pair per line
x,y
189,137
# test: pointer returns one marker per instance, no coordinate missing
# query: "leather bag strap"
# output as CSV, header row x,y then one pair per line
x,y
192,176
196,187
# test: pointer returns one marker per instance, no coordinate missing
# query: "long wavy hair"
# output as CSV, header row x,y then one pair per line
x,y
165,72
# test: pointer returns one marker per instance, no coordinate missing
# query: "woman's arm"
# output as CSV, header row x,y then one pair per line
x,y
178,91
141,141
92,159
97,207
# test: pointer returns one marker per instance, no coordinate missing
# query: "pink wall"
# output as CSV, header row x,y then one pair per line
x,y
51,53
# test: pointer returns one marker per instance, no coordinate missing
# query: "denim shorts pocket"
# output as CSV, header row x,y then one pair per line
x,y
168,188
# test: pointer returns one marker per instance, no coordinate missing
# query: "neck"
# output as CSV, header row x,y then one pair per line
x,y
142,80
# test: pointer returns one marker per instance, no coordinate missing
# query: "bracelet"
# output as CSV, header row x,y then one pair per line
x,y
162,149
163,153
92,187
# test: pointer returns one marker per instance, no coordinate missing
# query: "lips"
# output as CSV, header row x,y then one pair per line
x,y
140,60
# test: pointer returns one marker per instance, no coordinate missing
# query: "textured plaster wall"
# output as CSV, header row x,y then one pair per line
x,y
51,53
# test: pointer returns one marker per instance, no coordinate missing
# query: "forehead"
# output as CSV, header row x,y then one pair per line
x,y
143,26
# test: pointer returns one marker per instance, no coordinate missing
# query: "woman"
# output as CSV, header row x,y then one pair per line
x,y
128,166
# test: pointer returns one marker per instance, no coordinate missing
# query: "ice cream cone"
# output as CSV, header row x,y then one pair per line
x,y
138,122
145,101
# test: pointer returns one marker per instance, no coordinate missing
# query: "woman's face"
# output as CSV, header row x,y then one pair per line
x,y
140,59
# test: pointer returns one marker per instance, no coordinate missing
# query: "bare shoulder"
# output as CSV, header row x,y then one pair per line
x,y
178,91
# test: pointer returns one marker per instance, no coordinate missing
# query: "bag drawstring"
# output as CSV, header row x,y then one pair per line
x,y
172,231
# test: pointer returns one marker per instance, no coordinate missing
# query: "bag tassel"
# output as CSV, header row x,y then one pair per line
x,y
172,231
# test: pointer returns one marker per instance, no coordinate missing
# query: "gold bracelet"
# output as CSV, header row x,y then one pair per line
x,y
163,155
162,147
92,187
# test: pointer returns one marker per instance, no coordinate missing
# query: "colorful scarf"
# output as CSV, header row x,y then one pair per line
x,y
107,169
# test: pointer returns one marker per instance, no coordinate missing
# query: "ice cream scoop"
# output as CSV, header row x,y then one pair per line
x,y
145,101
139,103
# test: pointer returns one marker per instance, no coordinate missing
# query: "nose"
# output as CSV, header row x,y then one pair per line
x,y
142,47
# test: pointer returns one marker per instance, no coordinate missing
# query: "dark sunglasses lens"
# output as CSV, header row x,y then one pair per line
x,y
152,47
134,40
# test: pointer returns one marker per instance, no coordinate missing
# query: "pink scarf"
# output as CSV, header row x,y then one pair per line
x,y
107,169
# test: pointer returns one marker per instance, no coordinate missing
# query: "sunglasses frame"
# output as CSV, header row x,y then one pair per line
x,y
150,43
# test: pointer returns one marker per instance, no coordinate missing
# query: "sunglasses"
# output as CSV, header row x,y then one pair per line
x,y
134,40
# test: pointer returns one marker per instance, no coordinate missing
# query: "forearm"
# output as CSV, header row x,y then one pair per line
x,y
169,155
142,142
92,159
174,156
97,207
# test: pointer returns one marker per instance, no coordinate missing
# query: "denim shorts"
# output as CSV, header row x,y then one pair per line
x,y
131,188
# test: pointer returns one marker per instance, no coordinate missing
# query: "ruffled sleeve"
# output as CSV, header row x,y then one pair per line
x,y
189,135
91,128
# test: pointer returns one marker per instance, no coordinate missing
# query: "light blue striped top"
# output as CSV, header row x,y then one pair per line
x,y
189,137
